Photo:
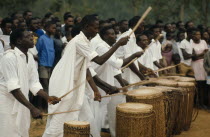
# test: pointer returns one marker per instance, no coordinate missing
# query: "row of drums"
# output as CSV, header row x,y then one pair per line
x,y
161,108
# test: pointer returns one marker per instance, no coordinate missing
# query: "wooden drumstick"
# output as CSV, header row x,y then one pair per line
x,y
60,112
169,67
140,20
70,91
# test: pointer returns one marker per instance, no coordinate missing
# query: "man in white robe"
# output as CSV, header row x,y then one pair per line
x,y
71,71
109,70
18,75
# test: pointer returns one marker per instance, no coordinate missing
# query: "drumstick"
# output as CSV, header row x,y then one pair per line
x,y
123,88
169,67
140,20
60,112
70,91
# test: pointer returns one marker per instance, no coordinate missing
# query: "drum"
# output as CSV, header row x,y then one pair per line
x,y
135,120
188,102
171,97
179,78
154,97
185,101
76,129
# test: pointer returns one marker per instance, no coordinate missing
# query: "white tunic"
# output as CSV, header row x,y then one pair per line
x,y
126,51
146,59
16,73
6,39
68,73
188,48
155,49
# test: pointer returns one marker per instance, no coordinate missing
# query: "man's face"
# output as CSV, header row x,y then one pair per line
x,y
124,26
160,25
29,15
23,26
27,40
116,29
190,25
19,17
169,28
69,21
181,25
93,28
156,32
110,36
173,27
143,42
15,23
7,29
181,36
52,29
34,25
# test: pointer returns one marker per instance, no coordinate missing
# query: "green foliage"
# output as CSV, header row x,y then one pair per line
x,y
166,10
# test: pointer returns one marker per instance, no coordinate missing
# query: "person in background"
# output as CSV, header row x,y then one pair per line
x,y
199,49
69,21
6,27
205,36
15,23
27,15
46,55
77,20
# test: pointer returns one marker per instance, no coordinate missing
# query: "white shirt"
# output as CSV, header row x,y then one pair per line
x,y
6,39
16,73
95,41
155,49
188,48
1,33
146,59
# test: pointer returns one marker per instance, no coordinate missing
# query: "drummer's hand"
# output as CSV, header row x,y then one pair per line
x,y
36,113
113,90
97,96
125,82
53,100
123,41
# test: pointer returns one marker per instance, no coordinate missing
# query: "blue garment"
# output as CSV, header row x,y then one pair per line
x,y
46,51
39,32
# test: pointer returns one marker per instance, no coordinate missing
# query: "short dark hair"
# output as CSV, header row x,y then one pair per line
x,y
111,19
67,16
26,12
75,30
47,15
5,21
158,21
132,22
15,35
87,20
49,23
120,22
104,30
138,37
154,27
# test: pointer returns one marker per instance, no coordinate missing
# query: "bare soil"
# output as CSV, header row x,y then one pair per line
x,y
199,128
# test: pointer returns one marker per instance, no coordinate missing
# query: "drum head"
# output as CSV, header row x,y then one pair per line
x,y
186,84
186,79
135,107
77,123
166,82
145,93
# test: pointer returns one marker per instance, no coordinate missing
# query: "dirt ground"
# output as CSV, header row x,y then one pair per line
x,y
199,128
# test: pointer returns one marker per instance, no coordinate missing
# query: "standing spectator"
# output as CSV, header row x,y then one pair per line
x,y
6,27
27,15
46,55
199,49
205,36
69,21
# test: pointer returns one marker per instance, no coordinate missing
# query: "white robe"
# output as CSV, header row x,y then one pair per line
x,y
16,73
68,73
126,51
6,39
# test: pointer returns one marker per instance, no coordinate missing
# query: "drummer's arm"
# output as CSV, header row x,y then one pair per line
x,y
186,55
136,71
122,81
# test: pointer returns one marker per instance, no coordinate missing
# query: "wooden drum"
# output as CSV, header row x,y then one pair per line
x,y
135,120
188,102
76,129
154,97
